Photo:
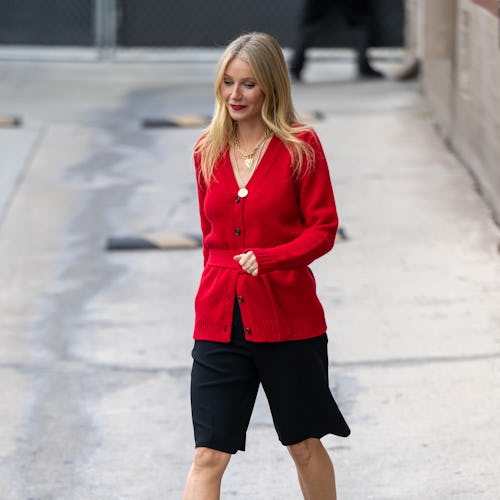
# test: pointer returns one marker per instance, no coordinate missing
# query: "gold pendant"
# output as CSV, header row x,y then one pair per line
x,y
243,193
248,162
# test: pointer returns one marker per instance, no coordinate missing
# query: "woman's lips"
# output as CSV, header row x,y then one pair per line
x,y
237,107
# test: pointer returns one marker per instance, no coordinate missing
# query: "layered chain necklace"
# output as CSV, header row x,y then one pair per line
x,y
248,158
243,191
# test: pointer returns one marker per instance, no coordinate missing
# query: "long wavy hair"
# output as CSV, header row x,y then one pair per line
x,y
263,54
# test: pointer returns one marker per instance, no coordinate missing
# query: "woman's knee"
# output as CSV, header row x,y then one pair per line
x,y
209,459
303,452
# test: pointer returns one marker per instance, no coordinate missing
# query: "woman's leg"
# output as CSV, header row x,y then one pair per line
x,y
205,476
314,469
224,385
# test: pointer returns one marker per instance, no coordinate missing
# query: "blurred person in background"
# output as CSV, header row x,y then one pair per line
x,y
359,16
267,211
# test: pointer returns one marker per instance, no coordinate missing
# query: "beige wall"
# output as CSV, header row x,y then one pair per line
x,y
458,44
476,131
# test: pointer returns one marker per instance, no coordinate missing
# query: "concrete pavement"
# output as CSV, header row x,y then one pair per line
x,y
95,345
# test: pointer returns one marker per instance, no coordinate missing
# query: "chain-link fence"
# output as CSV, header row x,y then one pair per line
x,y
46,22
174,23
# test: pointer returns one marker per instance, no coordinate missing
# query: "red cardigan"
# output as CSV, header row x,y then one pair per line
x,y
288,222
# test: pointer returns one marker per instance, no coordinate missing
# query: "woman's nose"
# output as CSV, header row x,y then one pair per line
x,y
236,92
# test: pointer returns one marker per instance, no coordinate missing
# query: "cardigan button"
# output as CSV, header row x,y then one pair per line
x,y
239,298
247,330
237,231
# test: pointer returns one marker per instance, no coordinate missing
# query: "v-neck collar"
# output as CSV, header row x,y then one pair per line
x,y
260,171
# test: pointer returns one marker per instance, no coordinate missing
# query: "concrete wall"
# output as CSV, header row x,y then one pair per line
x,y
438,58
475,134
458,45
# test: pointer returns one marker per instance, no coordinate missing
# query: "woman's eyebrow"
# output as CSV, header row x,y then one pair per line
x,y
246,78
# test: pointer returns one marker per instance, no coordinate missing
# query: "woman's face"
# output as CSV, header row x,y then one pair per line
x,y
240,92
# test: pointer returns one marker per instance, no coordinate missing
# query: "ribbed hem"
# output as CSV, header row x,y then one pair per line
x,y
216,331
261,332
265,259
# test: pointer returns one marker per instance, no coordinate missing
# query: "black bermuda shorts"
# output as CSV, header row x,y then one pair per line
x,y
294,375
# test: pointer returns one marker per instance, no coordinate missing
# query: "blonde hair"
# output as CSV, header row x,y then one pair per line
x,y
263,54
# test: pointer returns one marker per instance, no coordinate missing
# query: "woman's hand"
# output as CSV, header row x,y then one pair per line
x,y
248,262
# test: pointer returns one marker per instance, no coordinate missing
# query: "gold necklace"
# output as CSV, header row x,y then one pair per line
x,y
243,191
248,157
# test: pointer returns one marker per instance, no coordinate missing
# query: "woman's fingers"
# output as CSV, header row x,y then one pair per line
x,y
248,262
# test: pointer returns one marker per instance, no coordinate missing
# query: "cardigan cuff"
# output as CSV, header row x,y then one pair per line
x,y
265,260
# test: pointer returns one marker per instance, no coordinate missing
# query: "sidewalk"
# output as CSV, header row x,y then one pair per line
x,y
95,345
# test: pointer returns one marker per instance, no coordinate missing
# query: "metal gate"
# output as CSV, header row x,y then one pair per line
x,y
215,22
174,23
46,22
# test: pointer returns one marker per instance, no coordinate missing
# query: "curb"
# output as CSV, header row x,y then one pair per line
x,y
154,242
168,241
10,121
176,122
203,121
341,234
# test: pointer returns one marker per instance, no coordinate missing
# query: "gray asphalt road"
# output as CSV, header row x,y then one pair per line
x,y
95,345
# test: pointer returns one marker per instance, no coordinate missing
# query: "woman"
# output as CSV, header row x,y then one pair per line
x,y
267,211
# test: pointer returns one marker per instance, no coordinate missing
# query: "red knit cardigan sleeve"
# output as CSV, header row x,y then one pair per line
x,y
320,221
204,222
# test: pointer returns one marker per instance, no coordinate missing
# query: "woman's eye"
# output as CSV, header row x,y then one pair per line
x,y
228,82
249,85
